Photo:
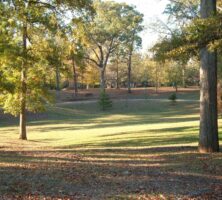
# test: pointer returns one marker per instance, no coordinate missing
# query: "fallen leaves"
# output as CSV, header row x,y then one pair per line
x,y
113,174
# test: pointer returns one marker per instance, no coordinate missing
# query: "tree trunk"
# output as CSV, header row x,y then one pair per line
x,y
57,79
183,78
82,78
157,80
219,95
176,87
22,132
102,79
117,74
208,137
129,72
74,77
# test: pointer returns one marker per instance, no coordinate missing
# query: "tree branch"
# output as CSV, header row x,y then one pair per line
x,y
92,60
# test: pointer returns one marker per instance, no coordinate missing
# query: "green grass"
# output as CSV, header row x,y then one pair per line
x,y
138,150
128,124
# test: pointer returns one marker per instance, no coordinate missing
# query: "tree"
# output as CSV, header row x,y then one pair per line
x,y
116,70
115,65
24,25
208,138
90,76
25,17
200,35
56,54
132,39
102,33
98,34
175,74
77,59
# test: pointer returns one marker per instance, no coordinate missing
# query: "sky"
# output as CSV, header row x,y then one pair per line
x,y
152,10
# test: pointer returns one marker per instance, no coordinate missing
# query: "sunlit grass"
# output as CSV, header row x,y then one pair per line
x,y
76,149
128,124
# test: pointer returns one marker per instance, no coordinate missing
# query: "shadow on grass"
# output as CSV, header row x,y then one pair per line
x,y
179,135
95,123
106,173
154,112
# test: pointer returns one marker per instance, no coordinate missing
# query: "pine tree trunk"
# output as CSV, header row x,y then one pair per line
x,y
57,79
208,138
183,78
75,78
117,74
22,133
156,77
129,72
219,95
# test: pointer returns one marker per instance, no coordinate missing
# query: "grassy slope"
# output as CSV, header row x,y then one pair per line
x,y
130,157
129,124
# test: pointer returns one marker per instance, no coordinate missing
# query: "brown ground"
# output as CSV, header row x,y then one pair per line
x,y
163,92
151,173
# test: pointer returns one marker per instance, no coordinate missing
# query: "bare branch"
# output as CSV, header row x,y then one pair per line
x,y
96,54
92,60
42,3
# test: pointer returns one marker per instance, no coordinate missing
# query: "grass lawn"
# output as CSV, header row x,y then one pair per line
x,y
138,150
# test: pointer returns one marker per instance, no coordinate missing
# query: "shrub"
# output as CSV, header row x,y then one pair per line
x,y
173,97
104,101
64,84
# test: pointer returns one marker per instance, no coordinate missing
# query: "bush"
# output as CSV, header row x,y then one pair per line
x,y
173,97
104,101
64,84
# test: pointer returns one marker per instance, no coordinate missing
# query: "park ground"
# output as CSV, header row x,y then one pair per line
x,y
145,147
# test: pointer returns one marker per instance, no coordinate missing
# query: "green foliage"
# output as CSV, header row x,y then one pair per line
x,y
38,24
155,73
37,92
186,42
173,97
174,73
182,10
114,24
10,103
104,101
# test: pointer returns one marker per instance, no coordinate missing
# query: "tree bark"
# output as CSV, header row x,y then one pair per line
x,y
219,95
22,132
129,72
117,73
82,78
102,79
57,78
208,136
74,77
176,87
183,77
157,80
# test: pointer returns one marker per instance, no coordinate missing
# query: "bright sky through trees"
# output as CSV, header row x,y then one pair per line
x,y
152,9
